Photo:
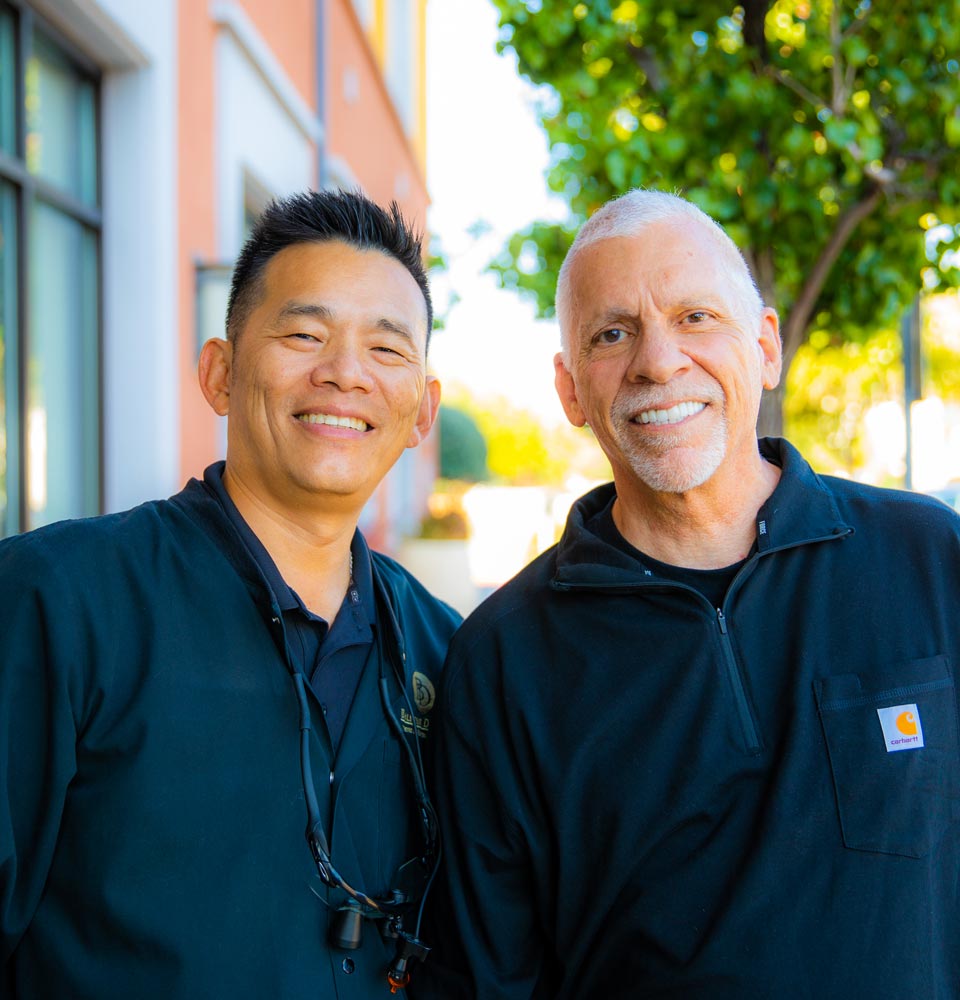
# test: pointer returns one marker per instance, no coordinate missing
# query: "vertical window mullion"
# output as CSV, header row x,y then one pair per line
x,y
9,370
24,47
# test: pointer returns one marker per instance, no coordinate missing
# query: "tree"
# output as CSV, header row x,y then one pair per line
x,y
520,449
824,136
463,448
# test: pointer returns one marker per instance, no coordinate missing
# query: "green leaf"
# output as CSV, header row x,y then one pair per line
x,y
767,114
840,132
951,131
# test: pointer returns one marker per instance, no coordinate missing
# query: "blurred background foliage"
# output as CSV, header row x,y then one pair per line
x,y
519,449
463,448
824,136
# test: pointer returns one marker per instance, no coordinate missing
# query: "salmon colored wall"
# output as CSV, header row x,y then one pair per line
x,y
196,35
291,37
420,138
379,150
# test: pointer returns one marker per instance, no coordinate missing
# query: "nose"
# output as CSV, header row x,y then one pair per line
x,y
657,356
344,363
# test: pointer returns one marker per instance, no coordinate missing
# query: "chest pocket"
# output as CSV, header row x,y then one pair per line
x,y
893,801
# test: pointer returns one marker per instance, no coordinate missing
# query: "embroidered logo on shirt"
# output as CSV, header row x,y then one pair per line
x,y
423,693
410,722
901,727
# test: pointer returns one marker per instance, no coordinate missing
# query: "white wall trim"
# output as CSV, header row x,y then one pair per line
x,y
339,174
230,16
92,29
141,295
255,138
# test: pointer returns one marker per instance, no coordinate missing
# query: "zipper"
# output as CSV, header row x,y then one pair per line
x,y
747,723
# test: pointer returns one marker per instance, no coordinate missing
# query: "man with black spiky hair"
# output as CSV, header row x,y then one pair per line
x,y
186,687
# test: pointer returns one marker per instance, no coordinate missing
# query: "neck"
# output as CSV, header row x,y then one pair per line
x,y
709,527
310,548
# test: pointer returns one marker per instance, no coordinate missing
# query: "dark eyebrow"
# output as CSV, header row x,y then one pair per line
x,y
314,310
390,326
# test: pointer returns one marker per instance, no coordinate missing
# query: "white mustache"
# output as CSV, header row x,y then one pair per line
x,y
628,404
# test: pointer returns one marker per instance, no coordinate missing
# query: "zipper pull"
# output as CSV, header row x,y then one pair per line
x,y
722,622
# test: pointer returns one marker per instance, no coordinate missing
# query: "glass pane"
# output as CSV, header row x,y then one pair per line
x,y
63,407
8,84
9,435
61,122
401,55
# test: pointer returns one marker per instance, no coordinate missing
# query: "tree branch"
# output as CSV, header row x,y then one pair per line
x,y
798,88
849,79
839,101
646,61
799,319
754,19
857,24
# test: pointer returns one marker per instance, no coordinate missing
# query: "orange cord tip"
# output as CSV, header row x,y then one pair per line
x,y
398,982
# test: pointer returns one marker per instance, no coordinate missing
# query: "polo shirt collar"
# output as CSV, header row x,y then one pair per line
x,y
360,597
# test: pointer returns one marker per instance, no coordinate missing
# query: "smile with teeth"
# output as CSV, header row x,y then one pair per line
x,y
673,415
354,423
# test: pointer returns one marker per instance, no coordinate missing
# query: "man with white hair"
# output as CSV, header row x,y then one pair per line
x,y
705,747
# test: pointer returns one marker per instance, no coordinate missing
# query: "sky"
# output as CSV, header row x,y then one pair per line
x,y
486,163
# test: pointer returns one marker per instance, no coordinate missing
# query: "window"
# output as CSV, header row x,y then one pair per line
x,y
50,434
402,57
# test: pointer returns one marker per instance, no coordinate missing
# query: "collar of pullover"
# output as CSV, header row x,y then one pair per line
x,y
801,510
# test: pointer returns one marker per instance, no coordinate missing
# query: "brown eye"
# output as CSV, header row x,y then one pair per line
x,y
611,337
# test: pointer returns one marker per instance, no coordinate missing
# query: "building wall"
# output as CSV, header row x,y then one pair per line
x,y
369,146
136,46
209,109
248,122
377,153
196,219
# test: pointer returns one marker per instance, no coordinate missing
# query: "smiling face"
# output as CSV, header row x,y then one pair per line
x,y
665,364
326,383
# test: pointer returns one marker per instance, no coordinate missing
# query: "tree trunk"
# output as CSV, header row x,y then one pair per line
x,y
770,421
763,266
793,330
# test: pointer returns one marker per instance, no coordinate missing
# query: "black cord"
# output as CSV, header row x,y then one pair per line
x,y
316,837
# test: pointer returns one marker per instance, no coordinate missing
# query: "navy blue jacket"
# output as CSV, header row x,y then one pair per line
x,y
646,796
151,807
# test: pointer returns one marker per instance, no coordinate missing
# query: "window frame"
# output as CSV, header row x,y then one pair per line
x,y
30,189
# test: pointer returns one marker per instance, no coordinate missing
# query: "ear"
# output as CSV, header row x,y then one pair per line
x,y
771,348
216,357
427,414
567,391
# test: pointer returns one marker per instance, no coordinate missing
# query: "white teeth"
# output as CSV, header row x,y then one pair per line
x,y
328,418
672,416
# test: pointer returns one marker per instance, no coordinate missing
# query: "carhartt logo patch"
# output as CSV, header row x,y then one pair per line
x,y
901,727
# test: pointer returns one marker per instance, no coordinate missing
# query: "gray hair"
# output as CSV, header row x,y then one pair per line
x,y
629,215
